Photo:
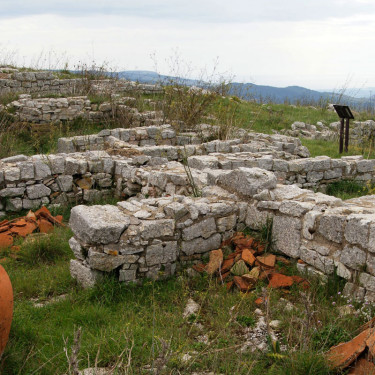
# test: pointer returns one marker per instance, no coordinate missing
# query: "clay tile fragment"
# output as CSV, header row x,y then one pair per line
x,y
45,226
227,264
42,210
342,355
25,230
244,243
279,280
362,367
267,261
31,216
199,267
216,259
229,285
248,257
370,342
6,240
19,223
242,284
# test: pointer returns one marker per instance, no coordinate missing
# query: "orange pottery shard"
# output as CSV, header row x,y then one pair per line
x,y
216,259
248,257
267,261
342,355
279,280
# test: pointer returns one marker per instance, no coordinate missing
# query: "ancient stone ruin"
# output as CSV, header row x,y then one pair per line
x,y
184,193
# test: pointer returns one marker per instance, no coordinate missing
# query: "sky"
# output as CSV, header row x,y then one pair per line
x,y
318,44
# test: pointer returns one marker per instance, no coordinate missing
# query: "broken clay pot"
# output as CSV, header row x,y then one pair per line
x,y
6,308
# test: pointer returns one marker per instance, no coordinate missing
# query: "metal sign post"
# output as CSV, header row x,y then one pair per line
x,y
345,115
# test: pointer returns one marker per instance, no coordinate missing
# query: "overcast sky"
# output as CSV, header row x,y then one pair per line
x,y
319,44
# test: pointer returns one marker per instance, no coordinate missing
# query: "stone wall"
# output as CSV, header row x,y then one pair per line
x,y
46,83
137,169
57,110
360,131
151,237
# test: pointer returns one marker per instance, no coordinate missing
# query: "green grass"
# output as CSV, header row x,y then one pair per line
x,y
114,316
347,189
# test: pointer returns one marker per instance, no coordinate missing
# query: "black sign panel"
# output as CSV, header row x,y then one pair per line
x,y
343,111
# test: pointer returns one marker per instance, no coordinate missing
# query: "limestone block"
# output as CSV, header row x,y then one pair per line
x,y
38,191
353,291
204,228
57,164
14,204
12,174
12,192
76,248
365,166
280,165
41,167
201,245
104,262
320,262
309,224
160,253
314,176
353,257
286,231
294,208
84,275
64,182
367,281
127,275
157,228
226,223
331,226
343,272
300,165
255,218
248,181
333,173
175,210
26,170
203,162
357,229
98,224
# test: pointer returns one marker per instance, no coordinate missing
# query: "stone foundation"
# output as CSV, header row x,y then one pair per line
x,y
152,237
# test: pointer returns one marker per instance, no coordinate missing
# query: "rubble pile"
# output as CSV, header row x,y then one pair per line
x,y
40,221
242,262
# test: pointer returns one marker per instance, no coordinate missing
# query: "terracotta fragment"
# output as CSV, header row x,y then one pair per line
x,y
248,257
342,355
45,226
279,280
216,259
227,264
241,283
6,308
199,267
267,261
362,367
6,240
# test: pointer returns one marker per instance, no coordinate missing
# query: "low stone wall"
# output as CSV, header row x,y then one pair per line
x,y
47,82
360,131
56,110
151,237
155,171
307,172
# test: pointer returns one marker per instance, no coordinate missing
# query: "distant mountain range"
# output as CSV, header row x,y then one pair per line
x,y
259,93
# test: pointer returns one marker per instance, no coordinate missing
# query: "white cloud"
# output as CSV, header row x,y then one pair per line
x,y
317,44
